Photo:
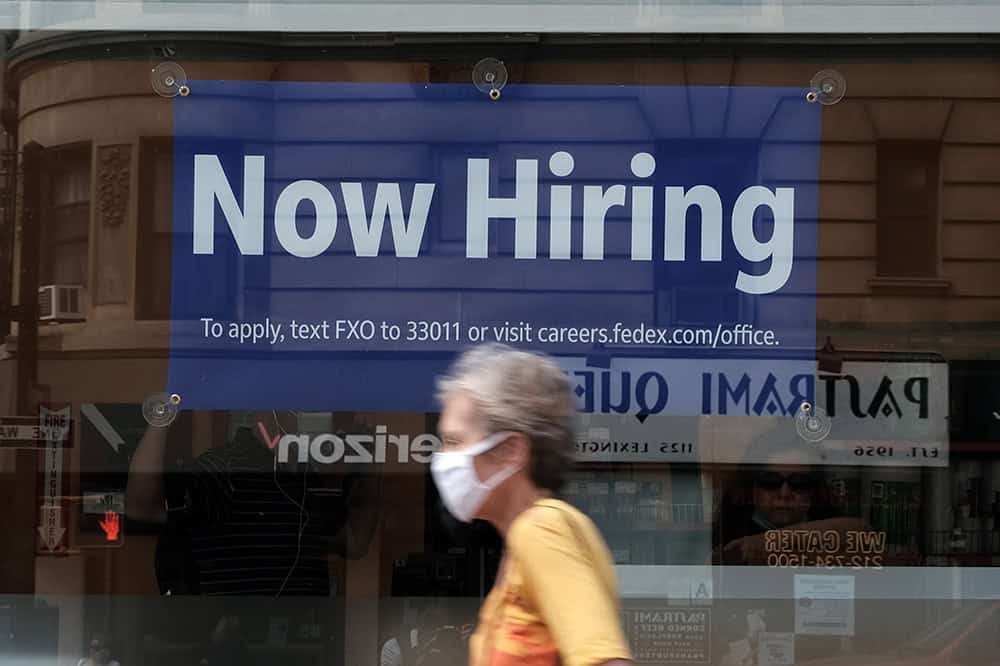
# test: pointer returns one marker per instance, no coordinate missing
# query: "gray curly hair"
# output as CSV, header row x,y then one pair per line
x,y
524,392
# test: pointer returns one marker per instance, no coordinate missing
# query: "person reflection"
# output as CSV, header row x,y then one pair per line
x,y
781,488
237,521
251,525
437,638
99,653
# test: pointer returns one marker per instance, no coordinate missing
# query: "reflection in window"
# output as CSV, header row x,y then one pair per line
x,y
908,210
66,217
155,223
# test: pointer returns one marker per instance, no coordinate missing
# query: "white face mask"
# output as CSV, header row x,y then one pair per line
x,y
455,476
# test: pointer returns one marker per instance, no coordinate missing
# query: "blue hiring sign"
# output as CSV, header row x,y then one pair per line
x,y
336,244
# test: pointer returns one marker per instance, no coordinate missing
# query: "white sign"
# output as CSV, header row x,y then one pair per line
x,y
100,503
824,605
879,413
31,431
776,649
35,433
51,530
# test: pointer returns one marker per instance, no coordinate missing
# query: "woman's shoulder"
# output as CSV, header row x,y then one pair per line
x,y
548,517
553,509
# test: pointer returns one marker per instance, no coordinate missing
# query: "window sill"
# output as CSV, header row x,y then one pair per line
x,y
910,286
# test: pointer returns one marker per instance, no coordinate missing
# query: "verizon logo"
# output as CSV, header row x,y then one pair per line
x,y
359,449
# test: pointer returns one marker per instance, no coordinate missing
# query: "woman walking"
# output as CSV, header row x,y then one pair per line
x,y
507,433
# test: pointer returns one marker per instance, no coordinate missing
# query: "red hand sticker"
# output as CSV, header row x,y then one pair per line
x,y
110,525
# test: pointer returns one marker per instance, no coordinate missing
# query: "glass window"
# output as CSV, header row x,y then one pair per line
x,y
776,305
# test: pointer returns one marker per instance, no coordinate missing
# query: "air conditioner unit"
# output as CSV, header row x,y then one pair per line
x,y
61,302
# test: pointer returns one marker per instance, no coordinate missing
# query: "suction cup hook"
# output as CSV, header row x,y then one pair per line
x,y
827,87
169,80
812,423
160,409
490,76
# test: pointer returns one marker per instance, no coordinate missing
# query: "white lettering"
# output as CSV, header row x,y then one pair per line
x,y
317,453
596,203
643,165
367,232
286,227
561,207
357,448
423,446
361,454
779,248
522,208
211,185
710,205
301,443
245,218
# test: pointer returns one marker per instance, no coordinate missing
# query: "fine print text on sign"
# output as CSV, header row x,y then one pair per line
x,y
671,635
326,232
272,333
824,605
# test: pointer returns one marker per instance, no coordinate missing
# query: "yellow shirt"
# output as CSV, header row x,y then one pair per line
x,y
557,601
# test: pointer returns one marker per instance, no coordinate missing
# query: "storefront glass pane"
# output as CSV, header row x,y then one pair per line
x,y
232,270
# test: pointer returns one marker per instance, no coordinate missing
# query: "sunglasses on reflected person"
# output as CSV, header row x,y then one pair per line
x,y
799,482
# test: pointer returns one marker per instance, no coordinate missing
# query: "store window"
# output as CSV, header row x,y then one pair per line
x,y
788,437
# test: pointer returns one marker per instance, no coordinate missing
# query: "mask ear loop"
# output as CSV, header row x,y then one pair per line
x,y
303,518
488,444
